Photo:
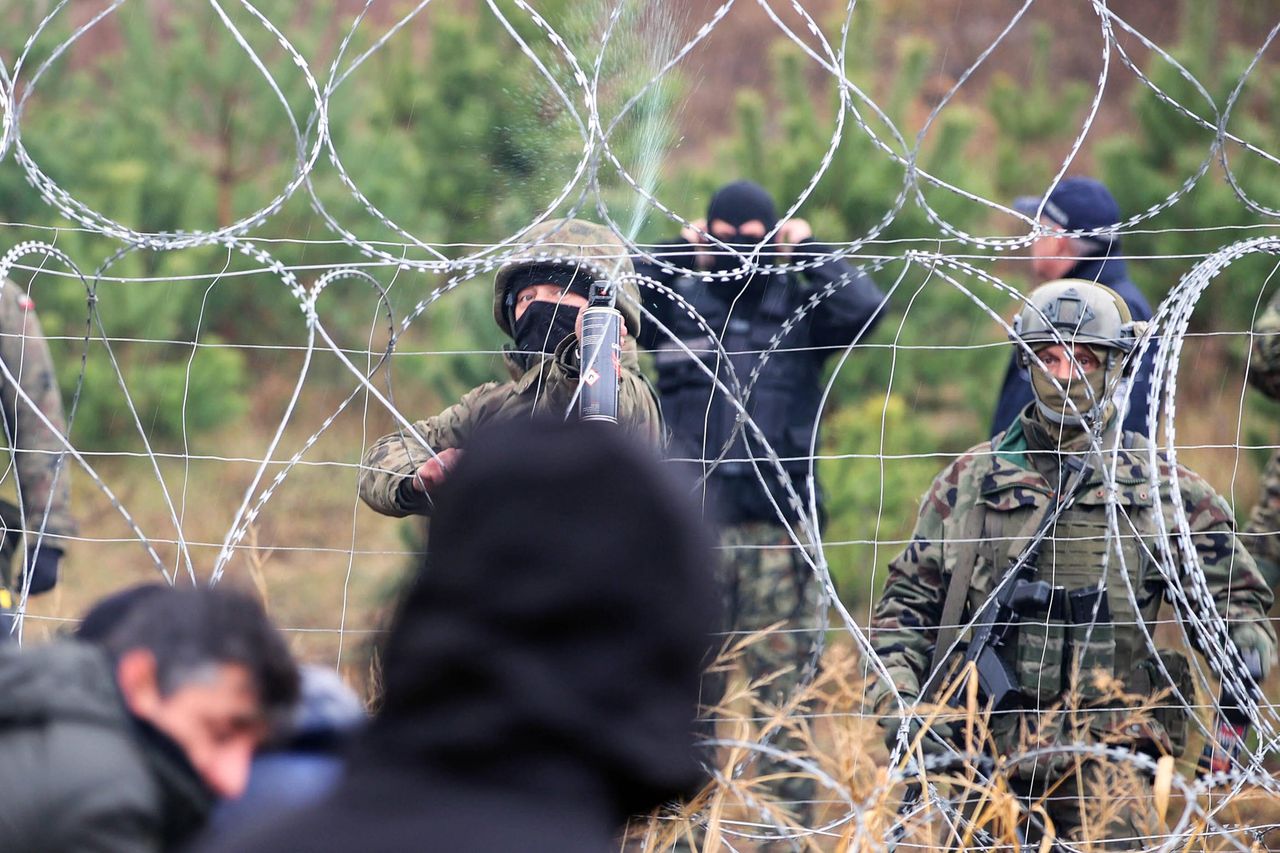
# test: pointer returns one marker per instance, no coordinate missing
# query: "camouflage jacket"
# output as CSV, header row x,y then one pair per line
x,y
1264,357
42,468
546,387
1262,534
999,493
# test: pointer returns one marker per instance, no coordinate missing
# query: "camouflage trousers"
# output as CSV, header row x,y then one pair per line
x,y
1262,533
765,581
1104,806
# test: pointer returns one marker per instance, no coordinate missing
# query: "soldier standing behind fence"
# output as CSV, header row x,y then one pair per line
x,y
765,578
974,524
42,519
1262,533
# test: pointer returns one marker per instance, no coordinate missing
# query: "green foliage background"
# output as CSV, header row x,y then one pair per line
x,y
450,133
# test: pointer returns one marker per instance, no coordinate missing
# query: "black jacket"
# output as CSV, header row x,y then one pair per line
x,y
842,306
542,673
76,771
1016,393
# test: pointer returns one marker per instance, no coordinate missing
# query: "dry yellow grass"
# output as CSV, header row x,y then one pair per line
x,y
843,749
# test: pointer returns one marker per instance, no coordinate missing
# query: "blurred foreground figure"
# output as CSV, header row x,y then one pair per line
x,y
1061,632
541,675
815,313
42,521
538,295
1078,204
121,742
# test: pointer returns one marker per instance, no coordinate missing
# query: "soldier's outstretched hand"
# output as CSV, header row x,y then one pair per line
x,y
434,471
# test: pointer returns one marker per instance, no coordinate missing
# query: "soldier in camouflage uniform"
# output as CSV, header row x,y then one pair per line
x,y
978,516
537,295
42,519
1262,533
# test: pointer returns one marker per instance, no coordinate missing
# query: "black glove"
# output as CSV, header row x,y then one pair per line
x,y
42,568
948,730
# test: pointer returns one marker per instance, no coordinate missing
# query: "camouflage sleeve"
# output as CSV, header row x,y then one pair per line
x,y
638,408
1262,533
395,457
43,470
1264,360
904,626
1239,591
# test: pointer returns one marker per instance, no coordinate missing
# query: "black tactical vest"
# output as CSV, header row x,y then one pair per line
x,y
783,402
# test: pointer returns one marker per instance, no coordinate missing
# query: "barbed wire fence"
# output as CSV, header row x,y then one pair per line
x,y
955,259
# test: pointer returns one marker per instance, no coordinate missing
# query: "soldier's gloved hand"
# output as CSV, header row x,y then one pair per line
x,y
42,568
1257,646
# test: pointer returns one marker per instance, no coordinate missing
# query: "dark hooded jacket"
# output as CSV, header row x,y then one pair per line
x,y
1016,393
77,772
541,676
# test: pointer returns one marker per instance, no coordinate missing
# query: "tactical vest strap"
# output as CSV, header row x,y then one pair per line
x,y
957,589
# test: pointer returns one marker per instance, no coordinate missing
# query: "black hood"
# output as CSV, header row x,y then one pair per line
x,y
553,643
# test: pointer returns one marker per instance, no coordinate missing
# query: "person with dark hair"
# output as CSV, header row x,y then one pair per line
x,y
306,758
123,739
107,613
541,675
778,330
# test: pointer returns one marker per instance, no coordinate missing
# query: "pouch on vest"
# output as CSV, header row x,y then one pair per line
x,y
1041,651
1093,641
1167,710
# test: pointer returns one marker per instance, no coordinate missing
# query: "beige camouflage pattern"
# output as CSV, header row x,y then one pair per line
x,y
590,247
43,472
1262,533
545,388
1010,488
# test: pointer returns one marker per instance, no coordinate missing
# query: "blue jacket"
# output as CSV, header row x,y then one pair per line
x,y
1015,394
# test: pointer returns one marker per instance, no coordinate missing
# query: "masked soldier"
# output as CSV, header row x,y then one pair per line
x,y
536,299
1072,645
42,521
766,580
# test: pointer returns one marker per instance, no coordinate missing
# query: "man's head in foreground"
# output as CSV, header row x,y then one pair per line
x,y
204,667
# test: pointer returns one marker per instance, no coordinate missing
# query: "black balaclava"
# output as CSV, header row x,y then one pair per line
x,y
543,325
736,204
552,645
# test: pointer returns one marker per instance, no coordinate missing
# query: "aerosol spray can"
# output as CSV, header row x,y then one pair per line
x,y
600,355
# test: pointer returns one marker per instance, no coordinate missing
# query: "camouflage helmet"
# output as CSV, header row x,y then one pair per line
x,y
1075,311
593,249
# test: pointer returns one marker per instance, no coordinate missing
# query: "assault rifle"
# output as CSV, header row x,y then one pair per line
x,y
600,356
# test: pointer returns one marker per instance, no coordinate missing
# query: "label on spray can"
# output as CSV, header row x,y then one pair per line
x,y
600,358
